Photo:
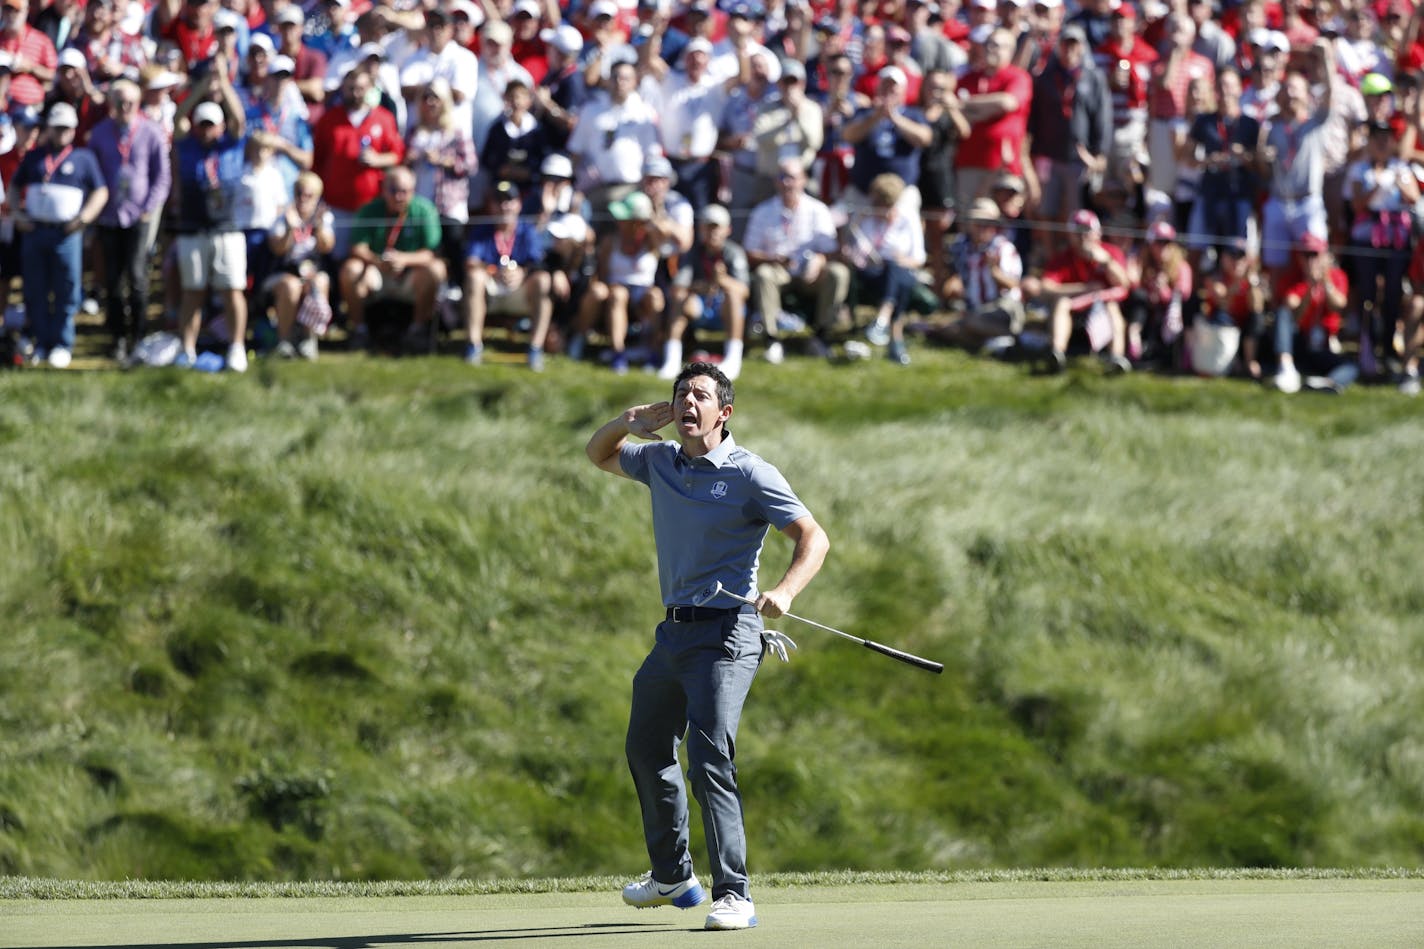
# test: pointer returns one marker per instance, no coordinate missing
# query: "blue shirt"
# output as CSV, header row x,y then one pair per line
x,y
55,184
287,124
527,250
885,149
206,180
710,515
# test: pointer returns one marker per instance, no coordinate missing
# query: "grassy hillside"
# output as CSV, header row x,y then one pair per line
x,y
376,620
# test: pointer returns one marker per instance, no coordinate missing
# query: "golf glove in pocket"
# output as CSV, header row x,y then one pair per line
x,y
777,643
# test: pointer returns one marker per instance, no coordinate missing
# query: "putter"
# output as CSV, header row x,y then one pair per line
x,y
716,590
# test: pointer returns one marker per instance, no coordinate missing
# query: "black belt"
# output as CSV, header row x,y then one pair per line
x,y
696,614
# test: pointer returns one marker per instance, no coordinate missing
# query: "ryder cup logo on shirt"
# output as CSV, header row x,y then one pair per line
x,y
719,490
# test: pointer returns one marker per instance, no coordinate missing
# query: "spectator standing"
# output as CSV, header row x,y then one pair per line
x,y
611,140
60,20
1224,142
278,111
1094,19
308,65
948,127
443,58
562,91
395,256
440,152
689,102
839,104
1211,41
788,125
497,69
109,51
188,25
738,139
504,277
352,145
888,138
1295,158
212,251
789,240
1261,97
58,191
516,146
1126,60
1070,127
1167,105
73,85
33,59
996,102
133,155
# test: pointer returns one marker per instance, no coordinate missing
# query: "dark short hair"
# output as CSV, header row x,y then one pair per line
x,y
725,392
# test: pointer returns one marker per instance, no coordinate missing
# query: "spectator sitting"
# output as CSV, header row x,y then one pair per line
x,y
58,191
395,245
1233,296
624,280
885,247
986,271
788,240
558,209
503,276
300,288
1308,315
1413,325
1089,278
709,292
1161,304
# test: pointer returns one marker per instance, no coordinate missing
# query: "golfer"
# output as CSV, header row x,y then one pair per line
x,y
712,502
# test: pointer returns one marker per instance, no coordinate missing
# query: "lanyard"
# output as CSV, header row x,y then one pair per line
x,y
52,163
395,230
504,246
125,143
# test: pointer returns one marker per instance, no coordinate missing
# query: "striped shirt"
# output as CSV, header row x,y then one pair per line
x,y
36,48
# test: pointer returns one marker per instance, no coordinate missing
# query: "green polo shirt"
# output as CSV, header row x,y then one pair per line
x,y
419,231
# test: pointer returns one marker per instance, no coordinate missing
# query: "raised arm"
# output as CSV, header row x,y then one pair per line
x,y
641,420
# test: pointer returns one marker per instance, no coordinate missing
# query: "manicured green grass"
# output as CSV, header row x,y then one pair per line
x,y
375,620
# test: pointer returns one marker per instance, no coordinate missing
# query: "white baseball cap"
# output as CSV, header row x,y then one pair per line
x,y
208,112
602,8
893,74
556,165
292,13
69,56
281,64
564,38
698,44
530,7
474,13
62,115
263,42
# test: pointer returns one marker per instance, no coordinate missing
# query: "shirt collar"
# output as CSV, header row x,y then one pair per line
x,y
717,457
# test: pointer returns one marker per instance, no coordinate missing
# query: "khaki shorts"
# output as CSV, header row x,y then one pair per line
x,y
213,261
513,303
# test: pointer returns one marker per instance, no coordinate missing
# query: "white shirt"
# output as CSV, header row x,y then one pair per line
x,y
610,141
457,66
973,263
724,63
777,231
871,238
259,197
690,114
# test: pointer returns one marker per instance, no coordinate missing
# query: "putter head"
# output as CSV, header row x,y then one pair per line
x,y
709,594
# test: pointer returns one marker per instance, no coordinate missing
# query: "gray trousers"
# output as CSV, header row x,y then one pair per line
x,y
693,683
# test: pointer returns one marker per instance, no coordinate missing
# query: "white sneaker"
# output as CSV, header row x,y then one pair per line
x,y
731,912
878,332
237,357
1287,380
59,358
775,354
307,348
669,370
1409,385
645,892
731,368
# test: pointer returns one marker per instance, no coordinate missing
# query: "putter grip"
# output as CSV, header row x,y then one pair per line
x,y
927,665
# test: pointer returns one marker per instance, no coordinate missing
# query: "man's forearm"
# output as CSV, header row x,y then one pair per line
x,y
607,441
809,554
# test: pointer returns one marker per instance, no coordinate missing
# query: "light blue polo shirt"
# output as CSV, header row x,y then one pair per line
x,y
710,515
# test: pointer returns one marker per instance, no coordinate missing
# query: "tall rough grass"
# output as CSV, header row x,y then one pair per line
x,y
376,620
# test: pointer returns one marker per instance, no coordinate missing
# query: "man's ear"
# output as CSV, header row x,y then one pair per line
x,y
725,413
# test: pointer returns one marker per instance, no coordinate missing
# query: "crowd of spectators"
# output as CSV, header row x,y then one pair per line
x,y
1198,185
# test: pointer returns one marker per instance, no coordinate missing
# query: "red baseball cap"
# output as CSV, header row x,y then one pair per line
x,y
1313,244
1085,220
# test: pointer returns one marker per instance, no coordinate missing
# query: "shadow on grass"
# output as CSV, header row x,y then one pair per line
x,y
405,939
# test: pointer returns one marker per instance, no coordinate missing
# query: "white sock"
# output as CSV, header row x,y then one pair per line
x,y
672,353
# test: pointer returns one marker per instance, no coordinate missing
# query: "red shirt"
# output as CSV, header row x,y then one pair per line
x,y
195,46
1070,268
1316,311
30,43
336,147
997,143
533,55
